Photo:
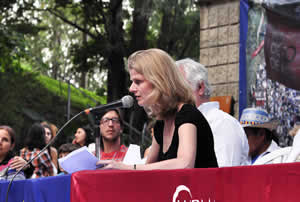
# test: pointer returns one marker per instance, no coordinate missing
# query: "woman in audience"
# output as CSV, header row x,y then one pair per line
x,y
8,161
34,143
83,136
51,150
182,136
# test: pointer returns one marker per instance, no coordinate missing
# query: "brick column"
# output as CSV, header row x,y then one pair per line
x,y
219,47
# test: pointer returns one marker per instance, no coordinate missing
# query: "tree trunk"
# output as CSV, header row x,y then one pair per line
x,y
116,78
142,12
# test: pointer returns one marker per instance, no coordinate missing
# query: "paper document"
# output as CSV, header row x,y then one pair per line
x,y
133,155
80,159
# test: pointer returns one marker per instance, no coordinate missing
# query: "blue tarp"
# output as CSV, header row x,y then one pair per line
x,y
38,190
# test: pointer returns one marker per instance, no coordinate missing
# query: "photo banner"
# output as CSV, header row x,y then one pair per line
x,y
282,45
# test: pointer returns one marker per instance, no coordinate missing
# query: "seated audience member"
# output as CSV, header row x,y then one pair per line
x,y
83,136
230,140
51,150
111,128
293,132
260,131
53,128
64,150
34,143
9,163
182,136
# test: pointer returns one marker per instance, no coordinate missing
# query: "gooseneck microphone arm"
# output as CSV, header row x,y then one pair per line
x,y
125,102
51,141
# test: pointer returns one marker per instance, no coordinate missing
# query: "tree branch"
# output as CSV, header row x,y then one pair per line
x,y
72,24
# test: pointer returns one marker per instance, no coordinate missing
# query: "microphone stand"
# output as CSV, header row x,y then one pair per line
x,y
97,139
95,123
51,141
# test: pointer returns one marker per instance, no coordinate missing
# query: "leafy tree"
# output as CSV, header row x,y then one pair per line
x,y
107,32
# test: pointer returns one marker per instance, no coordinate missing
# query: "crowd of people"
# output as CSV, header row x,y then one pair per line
x,y
188,130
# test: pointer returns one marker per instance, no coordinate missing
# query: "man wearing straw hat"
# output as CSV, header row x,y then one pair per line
x,y
260,131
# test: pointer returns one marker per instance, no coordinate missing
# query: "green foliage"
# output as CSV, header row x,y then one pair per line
x,y
79,38
28,97
79,97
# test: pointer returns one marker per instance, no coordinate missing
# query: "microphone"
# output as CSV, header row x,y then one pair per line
x,y
125,102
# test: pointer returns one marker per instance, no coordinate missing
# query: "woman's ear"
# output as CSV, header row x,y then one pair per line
x,y
12,146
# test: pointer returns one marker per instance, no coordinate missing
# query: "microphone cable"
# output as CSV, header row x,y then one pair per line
x,y
51,141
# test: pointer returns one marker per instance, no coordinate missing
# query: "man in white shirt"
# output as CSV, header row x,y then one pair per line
x,y
230,141
259,130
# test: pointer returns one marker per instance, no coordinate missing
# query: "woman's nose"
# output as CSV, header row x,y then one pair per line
x,y
132,88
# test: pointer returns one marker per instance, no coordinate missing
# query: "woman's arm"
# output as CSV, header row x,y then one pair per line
x,y
54,156
18,162
186,153
153,153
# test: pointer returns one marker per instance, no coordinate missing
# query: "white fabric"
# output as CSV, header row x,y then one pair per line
x,y
294,155
230,140
273,146
277,156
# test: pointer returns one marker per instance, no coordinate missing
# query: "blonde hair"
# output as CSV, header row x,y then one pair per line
x,y
169,86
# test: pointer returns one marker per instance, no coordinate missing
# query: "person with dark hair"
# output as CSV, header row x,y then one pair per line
x,y
182,137
83,136
34,143
64,150
51,150
9,163
111,127
260,132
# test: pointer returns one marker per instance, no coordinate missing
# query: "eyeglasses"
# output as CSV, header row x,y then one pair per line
x,y
106,120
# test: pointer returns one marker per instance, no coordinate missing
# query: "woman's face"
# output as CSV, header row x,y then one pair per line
x,y
140,87
48,135
5,143
80,136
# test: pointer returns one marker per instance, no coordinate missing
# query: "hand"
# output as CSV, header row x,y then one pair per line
x,y
17,163
111,164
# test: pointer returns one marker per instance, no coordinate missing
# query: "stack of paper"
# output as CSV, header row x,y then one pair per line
x,y
83,159
80,159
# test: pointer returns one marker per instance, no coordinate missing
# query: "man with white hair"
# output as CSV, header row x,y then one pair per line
x,y
230,140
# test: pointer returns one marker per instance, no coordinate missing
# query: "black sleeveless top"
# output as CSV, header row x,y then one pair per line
x,y
205,156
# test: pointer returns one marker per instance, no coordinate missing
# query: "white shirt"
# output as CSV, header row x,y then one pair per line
x,y
230,141
272,147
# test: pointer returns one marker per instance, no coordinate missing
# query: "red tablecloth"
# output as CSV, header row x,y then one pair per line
x,y
269,183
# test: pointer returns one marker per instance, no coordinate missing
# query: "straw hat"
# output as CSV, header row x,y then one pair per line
x,y
257,118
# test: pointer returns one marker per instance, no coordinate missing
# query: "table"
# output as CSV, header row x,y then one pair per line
x,y
264,183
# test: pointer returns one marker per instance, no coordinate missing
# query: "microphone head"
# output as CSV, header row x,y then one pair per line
x,y
127,101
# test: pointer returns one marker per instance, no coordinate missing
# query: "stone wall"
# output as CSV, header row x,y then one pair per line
x,y
219,46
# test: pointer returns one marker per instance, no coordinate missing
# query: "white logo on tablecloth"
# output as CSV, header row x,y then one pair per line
x,y
185,188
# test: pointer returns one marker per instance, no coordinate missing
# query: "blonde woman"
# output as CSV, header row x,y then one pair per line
x,y
182,136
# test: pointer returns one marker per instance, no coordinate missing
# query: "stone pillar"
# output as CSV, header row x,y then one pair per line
x,y
219,46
